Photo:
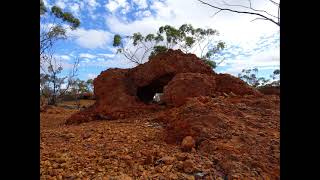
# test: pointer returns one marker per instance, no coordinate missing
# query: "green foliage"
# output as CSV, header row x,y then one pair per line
x,y
275,77
250,76
57,31
157,50
43,8
66,17
49,35
117,40
167,37
211,52
212,64
137,37
90,85
149,37
189,41
80,87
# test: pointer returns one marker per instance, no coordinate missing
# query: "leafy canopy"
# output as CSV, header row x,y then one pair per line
x,y
186,37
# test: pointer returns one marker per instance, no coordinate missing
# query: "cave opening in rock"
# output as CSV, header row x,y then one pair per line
x,y
146,93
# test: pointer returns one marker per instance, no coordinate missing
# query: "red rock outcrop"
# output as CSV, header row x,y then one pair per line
x,y
123,93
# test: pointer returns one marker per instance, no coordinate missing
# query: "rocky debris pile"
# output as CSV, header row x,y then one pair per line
x,y
238,131
117,149
136,148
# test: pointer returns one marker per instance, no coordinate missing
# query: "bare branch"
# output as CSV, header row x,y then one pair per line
x,y
250,7
258,19
279,13
241,12
220,62
216,13
278,4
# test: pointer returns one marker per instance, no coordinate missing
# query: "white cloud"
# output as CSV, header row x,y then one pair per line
x,y
141,14
146,13
46,4
107,55
61,4
85,61
234,29
65,57
87,55
118,61
75,8
92,3
142,4
92,76
91,38
113,5
268,59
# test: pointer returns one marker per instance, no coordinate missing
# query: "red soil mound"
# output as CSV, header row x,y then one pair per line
x,y
238,131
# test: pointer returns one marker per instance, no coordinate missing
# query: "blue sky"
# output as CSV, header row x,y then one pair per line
x,y
249,44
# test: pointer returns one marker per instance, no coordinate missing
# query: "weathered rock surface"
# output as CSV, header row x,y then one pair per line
x,y
186,85
122,93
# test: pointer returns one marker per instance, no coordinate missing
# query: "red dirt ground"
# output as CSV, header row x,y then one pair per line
x,y
212,126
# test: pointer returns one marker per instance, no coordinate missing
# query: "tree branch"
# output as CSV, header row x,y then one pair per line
x,y
240,12
275,3
250,7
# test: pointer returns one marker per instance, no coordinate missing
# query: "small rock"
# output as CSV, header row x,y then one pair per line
x,y
172,176
188,143
126,157
138,155
158,169
149,159
232,94
188,166
179,165
124,177
140,168
242,106
199,175
182,156
67,136
225,94
167,168
168,160
188,177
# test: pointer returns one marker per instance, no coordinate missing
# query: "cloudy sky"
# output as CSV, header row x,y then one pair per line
x,y
249,43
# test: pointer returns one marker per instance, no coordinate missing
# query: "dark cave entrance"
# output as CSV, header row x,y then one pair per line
x,y
146,93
